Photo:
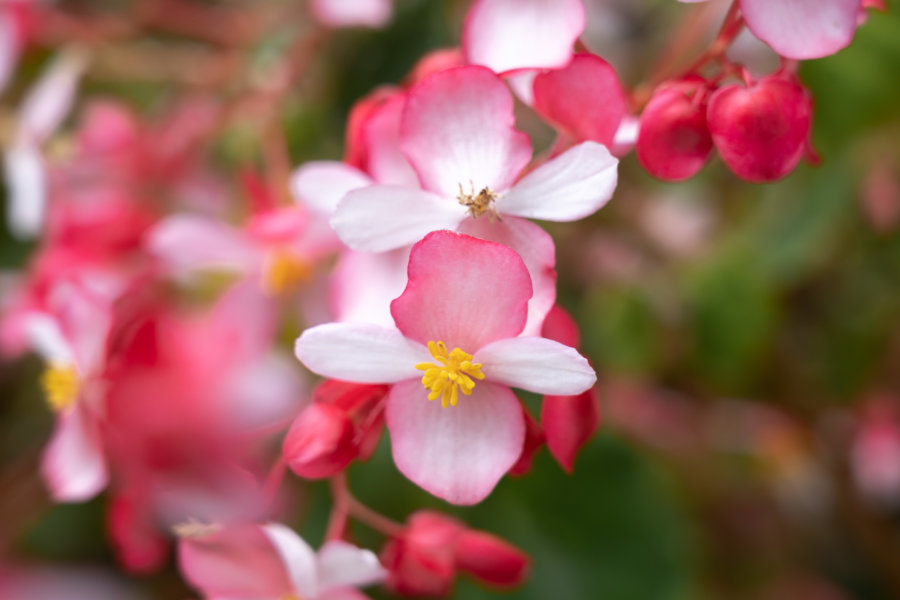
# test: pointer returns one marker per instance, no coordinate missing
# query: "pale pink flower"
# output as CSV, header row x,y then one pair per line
x,y
353,13
458,320
271,562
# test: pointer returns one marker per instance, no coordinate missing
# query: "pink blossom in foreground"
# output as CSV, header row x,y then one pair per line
x,y
271,562
458,321
504,35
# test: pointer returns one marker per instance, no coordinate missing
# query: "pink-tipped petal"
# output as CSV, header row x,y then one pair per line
x,y
538,252
364,283
73,465
458,129
320,185
296,555
462,291
353,13
571,186
191,243
236,562
344,565
802,29
538,365
380,218
458,453
516,34
584,99
386,163
360,352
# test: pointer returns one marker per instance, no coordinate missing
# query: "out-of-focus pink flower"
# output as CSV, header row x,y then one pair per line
x,y
467,300
353,13
674,141
32,582
271,562
761,131
502,34
584,99
424,560
875,452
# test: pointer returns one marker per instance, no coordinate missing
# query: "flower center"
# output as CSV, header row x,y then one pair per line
x,y
61,386
454,372
480,203
284,271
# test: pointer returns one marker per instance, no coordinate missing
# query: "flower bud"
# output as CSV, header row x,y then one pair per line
x,y
320,442
674,142
423,562
490,559
761,131
534,439
569,422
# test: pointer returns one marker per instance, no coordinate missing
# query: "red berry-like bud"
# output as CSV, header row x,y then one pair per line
x,y
569,422
422,562
491,559
320,442
761,131
674,141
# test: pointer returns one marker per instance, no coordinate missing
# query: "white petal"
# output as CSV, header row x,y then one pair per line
x,y
343,564
571,186
364,284
360,352
73,464
381,217
26,190
48,340
536,364
48,102
299,559
320,185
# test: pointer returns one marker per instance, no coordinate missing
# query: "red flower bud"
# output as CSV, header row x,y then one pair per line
x,y
761,131
491,559
674,142
422,562
320,442
569,422
534,439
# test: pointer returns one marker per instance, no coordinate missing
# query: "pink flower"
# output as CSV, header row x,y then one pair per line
x,y
458,321
271,562
353,13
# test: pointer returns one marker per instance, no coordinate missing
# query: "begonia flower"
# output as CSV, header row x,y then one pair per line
x,y
271,562
459,321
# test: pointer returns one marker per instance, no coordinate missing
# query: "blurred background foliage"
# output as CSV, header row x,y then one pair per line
x,y
784,295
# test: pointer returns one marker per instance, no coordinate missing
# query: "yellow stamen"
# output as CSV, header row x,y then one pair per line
x,y
454,372
480,203
284,271
61,386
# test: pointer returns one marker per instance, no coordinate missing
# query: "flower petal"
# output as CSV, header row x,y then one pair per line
x,y
298,558
189,243
379,218
73,464
364,283
239,561
457,453
802,29
516,34
352,13
571,186
320,185
26,188
462,291
381,135
360,352
538,365
538,252
458,129
583,99
343,564
50,99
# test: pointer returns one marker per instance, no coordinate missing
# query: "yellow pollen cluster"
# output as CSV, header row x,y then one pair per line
x,y
454,372
480,203
61,386
284,271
